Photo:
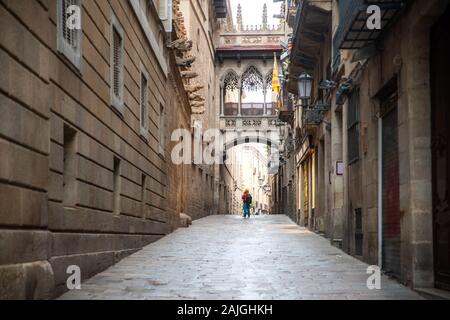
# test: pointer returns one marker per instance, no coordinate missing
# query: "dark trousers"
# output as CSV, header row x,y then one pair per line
x,y
246,210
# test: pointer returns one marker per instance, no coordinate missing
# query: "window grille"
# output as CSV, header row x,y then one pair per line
x,y
69,39
117,65
69,35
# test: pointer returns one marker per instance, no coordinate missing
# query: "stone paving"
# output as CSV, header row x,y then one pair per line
x,y
226,257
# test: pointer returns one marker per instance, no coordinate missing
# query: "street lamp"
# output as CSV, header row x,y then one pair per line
x,y
305,86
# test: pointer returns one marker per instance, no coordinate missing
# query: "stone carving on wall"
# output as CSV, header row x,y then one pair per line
x,y
273,122
230,123
273,39
251,40
184,59
252,123
230,40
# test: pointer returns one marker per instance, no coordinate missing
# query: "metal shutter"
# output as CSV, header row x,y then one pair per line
x,y
391,188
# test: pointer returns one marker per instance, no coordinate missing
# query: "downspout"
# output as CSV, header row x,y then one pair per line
x,y
380,192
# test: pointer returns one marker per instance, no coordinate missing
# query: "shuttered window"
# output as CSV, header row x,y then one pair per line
x,y
353,124
69,30
144,103
117,52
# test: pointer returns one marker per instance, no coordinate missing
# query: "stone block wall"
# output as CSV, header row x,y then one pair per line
x,y
405,57
62,199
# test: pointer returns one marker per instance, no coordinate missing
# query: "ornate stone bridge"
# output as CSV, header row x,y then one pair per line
x,y
246,58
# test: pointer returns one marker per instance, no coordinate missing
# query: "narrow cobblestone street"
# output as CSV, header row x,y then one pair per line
x,y
226,257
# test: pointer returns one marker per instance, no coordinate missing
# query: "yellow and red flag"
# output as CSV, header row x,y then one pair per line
x,y
275,80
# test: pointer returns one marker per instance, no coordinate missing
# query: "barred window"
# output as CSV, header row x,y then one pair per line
x,y
144,103
69,30
117,52
353,126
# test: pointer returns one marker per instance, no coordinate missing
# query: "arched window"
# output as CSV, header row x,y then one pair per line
x,y
231,94
252,92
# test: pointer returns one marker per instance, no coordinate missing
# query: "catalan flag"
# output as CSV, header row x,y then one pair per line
x,y
275,80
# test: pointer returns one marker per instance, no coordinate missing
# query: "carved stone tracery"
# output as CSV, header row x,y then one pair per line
x,y
252,79
231,81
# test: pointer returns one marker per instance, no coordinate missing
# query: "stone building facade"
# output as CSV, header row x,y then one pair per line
x,y
201,27
86,176
376,132
247,104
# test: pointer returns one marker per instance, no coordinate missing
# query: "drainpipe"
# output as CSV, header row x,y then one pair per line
x,y
380,192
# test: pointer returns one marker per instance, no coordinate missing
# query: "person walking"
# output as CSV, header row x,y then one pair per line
x,y
247,201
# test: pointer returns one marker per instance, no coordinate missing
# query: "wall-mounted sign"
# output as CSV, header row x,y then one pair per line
x,y
339,168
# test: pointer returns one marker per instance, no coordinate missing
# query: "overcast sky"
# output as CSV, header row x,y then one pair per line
x,y
252,11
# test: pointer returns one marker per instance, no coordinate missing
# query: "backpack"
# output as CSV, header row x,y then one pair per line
x,y
249,199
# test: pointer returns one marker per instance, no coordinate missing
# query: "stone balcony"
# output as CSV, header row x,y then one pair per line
x,y
248,122
250,36
248,116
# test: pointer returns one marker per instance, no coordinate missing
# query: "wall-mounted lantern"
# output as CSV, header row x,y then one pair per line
x,y
261,181
305,82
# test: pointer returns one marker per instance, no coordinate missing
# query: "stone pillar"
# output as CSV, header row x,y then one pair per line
x,y
265,102
240,98
416,125
264,17
337,188
239,19
222,101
